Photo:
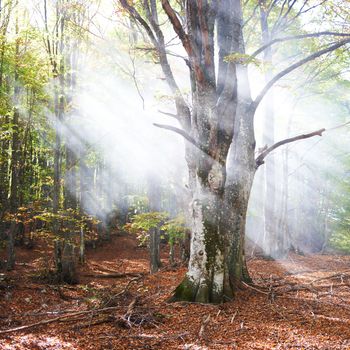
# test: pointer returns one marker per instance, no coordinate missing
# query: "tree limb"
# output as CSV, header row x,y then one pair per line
x,y
294,66
169,114
260,159
186,136
177,27
137,17
157,38
297,37
62,318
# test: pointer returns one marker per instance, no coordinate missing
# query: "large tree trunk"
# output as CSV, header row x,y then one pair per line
x,y
217,263
224,179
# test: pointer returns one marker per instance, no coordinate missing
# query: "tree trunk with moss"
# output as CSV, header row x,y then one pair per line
x,y
218,128
224,163
217,265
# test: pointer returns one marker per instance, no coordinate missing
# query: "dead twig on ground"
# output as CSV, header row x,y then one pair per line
x,y
115,275
115,296
256,289
63,318
339,274
204,325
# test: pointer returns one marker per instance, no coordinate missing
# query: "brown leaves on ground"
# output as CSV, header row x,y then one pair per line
x,y
296,303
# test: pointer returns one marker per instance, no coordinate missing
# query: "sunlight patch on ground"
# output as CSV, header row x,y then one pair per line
x,y
193,347
32,341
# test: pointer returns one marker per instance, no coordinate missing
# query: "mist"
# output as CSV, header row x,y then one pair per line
x,y
121,94
190,152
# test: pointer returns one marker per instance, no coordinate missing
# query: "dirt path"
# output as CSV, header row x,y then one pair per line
x,y
297,303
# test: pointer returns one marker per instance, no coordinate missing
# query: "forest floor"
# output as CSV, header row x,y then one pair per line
x,y
302,302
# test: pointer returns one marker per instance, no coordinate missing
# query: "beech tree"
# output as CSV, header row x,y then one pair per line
x,y
219,130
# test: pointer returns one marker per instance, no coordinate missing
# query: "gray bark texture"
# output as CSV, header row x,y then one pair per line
x,y
224,166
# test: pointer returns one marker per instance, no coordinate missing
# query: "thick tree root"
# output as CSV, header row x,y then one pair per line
x,y
191,292
185,291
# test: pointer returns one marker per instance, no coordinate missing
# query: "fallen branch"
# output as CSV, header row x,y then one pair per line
x,y
64,318
115,275
203,328
160,337
106,319
256,289
113,297
129,319
333,319
339,274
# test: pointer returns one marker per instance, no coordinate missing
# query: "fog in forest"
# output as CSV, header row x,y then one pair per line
x,y
119,96
114,111
174,174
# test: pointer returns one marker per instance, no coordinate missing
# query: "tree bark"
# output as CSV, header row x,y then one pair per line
x,y
15,145
82,246
217,263
225,173
270,220
154,198
11,245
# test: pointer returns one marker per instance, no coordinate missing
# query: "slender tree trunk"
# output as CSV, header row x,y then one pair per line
x,y
82,246
4,175
154,197
82,181
70,181
171,253
22,165
59,103
283,243
271,236
13,200
11,245
15,146
154,250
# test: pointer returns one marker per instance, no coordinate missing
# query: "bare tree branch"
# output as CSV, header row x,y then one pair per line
x,y
186,136
260,159
297,37
157,38
339,126
294,66
137,17
169,114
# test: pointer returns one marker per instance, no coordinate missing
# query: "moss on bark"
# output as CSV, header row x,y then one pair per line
x,y
185,291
